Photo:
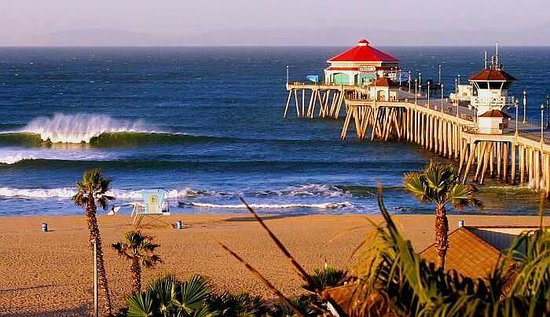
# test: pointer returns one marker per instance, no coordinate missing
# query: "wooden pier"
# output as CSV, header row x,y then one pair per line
x,y
519,157
324,99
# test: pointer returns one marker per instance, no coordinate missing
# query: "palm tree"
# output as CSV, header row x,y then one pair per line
x,y
91,192
140,249
438,183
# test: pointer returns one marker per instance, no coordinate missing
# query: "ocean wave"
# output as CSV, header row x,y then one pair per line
x,y
10,159
12,156
81,128
328,205
303,191
68,192
106,139
308,190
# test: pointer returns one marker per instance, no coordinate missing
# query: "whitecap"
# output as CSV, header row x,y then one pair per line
x,y
14,155
80,128
328,205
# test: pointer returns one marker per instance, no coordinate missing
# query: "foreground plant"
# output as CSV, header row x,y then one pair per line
x,y
139,249
92,192
169,297
394,280
438,183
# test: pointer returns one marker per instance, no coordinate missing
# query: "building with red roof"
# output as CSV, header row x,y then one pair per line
x,y
490,96
360,65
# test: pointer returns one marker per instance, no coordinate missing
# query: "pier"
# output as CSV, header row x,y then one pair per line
x,y
514,158
479,137
326,100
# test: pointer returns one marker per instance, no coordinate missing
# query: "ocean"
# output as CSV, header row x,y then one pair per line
x,y
206,124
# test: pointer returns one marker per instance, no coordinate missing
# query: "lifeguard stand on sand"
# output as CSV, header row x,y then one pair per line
x,y
154,205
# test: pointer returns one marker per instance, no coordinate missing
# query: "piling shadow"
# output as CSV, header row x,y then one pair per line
x,y
2,290
83,310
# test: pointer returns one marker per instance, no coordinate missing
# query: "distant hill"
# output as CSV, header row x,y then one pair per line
x,y
289,36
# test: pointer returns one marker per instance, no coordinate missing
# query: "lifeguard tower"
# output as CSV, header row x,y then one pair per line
x,y
360,65
155,205
490,97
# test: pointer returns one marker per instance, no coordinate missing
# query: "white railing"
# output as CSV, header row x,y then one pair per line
x,y
501,102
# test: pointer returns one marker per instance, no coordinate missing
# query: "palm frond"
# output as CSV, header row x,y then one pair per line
x,y
192,294
416,186
140,305
460,196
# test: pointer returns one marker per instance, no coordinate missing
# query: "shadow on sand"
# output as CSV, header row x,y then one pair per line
x,y
84,310
265,218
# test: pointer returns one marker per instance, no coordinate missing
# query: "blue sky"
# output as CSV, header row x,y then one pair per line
x,y
271,22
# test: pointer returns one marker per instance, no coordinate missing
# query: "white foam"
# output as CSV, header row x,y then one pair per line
x,y
14,155
9,192
309,190
80,127
329,205
14,158
68,192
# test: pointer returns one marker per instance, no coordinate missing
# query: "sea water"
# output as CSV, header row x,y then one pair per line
x,y
206,125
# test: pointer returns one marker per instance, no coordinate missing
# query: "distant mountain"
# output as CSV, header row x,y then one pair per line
x,y
96,37
344,36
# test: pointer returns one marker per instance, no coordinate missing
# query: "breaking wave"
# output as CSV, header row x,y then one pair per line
x,y
12,156
68,192
81,128
15,158
308,190
329,205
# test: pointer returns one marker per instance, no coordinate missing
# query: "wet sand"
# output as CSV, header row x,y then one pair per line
x,y
51,273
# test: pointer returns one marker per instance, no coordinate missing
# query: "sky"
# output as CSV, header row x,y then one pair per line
x,y
272,22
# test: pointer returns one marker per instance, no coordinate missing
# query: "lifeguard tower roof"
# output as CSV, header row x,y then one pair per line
x,y
495,113
491,74
384,82
363,52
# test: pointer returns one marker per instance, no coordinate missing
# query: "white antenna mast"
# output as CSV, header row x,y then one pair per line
x,y
496,57
485,59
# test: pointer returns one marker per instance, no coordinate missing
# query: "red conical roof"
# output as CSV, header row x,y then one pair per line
x,y
492,74
363,53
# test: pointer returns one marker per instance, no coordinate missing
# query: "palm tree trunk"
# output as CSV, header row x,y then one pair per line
x,y
94,235
441,234
136,275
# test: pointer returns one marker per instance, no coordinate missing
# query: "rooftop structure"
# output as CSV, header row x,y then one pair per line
x,y
490,87
360,65
474,251
468,254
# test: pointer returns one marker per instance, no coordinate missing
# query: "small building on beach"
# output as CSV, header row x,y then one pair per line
x,y
360,65
468,254
474,251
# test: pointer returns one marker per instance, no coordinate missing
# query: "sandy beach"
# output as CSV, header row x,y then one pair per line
x,y
50,273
